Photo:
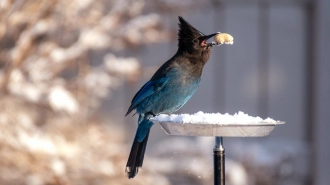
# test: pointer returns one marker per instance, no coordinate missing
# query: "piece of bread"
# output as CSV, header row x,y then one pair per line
x,y
224,38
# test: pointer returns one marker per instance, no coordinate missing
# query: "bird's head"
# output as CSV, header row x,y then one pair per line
x,y
192,40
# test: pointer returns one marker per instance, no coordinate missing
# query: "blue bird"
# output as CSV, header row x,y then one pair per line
x,y
169,88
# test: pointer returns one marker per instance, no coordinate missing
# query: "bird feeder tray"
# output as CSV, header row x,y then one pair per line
x,y
225,130
218,128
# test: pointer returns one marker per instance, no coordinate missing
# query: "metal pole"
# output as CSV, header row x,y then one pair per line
x,y
219,162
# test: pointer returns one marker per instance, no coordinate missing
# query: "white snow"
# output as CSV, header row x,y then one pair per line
x,y
213,118
61,99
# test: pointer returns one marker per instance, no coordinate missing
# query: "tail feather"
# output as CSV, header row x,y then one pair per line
x,y
136,157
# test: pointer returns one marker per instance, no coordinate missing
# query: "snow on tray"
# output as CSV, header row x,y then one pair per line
x,y
213,118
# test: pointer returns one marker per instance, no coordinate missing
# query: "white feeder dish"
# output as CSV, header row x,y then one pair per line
x,y
224,125
217,125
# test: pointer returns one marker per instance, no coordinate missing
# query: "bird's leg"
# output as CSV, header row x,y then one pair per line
x,y
151,114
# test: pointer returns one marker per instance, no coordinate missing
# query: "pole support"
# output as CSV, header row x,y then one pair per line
x,y
219,162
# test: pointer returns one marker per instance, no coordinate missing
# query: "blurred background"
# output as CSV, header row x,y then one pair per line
x,y
69,69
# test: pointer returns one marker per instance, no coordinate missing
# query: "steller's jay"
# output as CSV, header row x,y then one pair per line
x,y
169,88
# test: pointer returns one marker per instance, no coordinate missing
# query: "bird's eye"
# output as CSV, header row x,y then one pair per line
x,y
196,41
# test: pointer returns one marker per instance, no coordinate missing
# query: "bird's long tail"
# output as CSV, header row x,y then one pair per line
x,y
135,159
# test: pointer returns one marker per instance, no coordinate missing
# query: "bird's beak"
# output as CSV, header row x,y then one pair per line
x,y
210,36
205,38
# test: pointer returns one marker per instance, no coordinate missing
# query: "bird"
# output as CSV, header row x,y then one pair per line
x,y
172,85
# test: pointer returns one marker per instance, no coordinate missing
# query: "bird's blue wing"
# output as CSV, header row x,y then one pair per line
x,y
147,90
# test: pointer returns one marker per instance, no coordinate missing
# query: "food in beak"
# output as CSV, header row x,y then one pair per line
x,y
224,38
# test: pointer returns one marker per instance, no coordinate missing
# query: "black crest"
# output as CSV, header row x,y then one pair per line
x,y
187,33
